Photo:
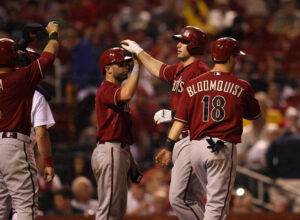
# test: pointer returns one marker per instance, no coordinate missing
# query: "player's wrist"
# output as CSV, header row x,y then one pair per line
x,y
169,145
48,161
53,35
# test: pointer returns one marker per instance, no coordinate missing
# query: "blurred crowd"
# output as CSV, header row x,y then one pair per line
x,y
268,31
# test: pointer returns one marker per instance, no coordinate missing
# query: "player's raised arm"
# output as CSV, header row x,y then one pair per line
x,y
52,46
129,88
152,65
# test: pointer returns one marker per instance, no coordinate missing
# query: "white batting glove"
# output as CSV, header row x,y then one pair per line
x,y
131,46
163,116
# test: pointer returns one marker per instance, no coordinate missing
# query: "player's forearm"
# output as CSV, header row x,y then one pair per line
x,y
43,141
52,47
176,129
152,65
128,90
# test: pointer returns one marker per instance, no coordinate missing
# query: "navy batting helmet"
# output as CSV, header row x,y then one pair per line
x,y
225,47
8,52
113,55
195,38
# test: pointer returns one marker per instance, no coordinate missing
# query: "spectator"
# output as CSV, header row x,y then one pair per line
x,y
62,203
82,189
138,201
283,163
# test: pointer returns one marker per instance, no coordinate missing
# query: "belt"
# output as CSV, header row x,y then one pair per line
x,y
122,145
15,135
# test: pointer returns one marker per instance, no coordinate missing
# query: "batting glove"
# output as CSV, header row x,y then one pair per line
x,y
131,46
163,116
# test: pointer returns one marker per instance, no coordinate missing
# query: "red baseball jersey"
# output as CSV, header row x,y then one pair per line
x,y
214,105
113,116
178,76
16,92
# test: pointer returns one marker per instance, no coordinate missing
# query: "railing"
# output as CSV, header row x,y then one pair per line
x,y
262,181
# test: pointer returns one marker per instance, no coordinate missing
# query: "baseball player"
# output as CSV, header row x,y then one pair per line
x,y
41,120
112,159
17,168
213,105
184,188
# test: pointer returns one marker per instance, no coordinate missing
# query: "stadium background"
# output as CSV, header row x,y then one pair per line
x,y
268,31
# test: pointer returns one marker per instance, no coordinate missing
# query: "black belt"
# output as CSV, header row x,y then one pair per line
x,y
122,145
10,135
15,135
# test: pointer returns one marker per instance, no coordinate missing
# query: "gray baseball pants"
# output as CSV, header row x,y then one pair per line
x,y
110,164
18,175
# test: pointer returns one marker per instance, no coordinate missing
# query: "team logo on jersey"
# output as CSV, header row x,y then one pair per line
x,y
178,85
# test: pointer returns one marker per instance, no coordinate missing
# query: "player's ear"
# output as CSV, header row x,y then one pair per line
x,y
108,69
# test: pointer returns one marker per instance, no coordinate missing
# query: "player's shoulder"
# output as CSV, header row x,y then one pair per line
x,y
107,87
243,82
203,76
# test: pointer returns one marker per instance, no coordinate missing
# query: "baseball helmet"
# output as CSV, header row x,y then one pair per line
x,y
8,52
225,47
113,55
195,38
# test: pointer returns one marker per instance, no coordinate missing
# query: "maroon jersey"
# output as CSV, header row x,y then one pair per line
x,y
113,116
16,92
214,105
178,76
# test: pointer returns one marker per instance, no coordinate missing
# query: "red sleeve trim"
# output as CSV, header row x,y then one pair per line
x,y
255,117
181,120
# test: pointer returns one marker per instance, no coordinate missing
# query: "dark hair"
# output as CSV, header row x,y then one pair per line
x,y
65,192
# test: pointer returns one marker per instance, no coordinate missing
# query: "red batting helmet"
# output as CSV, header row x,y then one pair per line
x,y
8,52
113,55
195,38
225,47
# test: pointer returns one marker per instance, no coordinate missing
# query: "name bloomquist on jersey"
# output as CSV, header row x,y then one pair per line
x,y
215,85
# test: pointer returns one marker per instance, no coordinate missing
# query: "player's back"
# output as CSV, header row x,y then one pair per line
x,y
217,103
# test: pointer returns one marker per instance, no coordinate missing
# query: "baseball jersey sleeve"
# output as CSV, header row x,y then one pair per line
x,y
252,109
36,71
167,73
41,113
182,109
111,95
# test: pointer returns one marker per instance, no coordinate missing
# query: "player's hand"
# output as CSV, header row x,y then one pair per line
x,y
52,26
131,46
163,158
163,116
48,174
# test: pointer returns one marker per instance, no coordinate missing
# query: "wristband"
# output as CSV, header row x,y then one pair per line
x,y
48,161
53,35
169,145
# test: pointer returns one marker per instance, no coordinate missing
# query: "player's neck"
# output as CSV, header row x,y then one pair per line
x,y
113,80
189,60
222,68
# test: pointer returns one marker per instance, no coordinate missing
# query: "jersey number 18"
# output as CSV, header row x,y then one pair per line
x,y
217,113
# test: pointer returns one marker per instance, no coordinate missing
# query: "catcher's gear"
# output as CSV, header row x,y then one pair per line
x,y
162,116
8,52
131,46
195,38
215,146
225,47
112,56
28,29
